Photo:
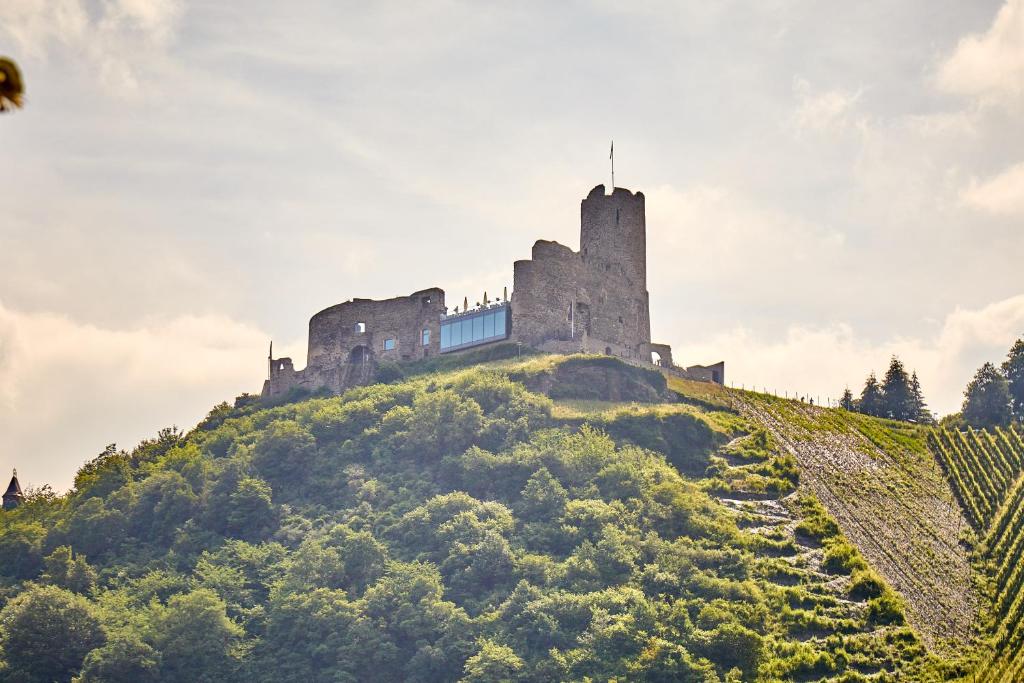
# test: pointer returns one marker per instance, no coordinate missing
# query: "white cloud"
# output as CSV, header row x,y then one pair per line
x,y
823,111
68,389
989,65
821,361
113,42
1002,194
718,232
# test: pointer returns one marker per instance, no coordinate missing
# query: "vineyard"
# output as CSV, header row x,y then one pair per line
x,y
1002,549
984,469
981,467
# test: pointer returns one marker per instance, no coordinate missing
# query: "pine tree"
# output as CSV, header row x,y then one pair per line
x,y
1013,370
920,408
846,402
987,398
897,399
871,399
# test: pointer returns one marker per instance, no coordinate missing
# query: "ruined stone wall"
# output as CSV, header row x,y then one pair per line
x,y
591,301
704,373
604,284
347,341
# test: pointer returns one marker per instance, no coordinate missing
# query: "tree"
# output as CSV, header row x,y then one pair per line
x,y
107,472
21,549
493,663
45,633
846,402
93,528
920,408
312,635
417,634
1013,370
440,423
251,515
165,501
12,88
284,453
195,637
543,498
125,658
987,398
897,398
871,399
67,571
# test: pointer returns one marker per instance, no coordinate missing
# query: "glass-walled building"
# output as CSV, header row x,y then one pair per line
x,y
482,326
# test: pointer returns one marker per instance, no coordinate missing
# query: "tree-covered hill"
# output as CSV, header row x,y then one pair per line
x,y
540,519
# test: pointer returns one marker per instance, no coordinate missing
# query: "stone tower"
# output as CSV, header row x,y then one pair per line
x,y
613,239
613,234
594,300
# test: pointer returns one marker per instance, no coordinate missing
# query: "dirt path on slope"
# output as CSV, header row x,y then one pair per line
x,y
898,509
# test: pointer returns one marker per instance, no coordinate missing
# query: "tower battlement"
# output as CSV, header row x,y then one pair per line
x,y
613,233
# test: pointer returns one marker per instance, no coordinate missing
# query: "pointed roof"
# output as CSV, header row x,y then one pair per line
x,y
14,488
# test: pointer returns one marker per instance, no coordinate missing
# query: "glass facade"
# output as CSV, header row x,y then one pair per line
x,y
476,327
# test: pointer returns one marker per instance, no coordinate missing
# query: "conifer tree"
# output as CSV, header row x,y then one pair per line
x,y
1013,370
846,402
987,398
920,408
897,398
871,399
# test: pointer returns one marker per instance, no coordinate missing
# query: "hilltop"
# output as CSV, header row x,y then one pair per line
x,y
540,518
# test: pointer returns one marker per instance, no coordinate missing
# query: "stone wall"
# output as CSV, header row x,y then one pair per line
x,y
592,301
595,299
347,341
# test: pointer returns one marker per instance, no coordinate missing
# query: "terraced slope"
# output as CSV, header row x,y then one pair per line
x,y
836,618
840,617
891,499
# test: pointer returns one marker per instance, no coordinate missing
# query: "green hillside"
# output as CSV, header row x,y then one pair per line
x,y
540,519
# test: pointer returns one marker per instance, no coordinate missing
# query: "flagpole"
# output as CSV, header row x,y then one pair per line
x,y
611,155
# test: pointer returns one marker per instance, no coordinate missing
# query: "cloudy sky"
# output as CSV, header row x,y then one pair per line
x,y
828,183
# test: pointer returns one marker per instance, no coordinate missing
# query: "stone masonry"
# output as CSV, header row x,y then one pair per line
x,y
594,301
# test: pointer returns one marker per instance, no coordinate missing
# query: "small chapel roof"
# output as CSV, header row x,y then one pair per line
x,y
14,488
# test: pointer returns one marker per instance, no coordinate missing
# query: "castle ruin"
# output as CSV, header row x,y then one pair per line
x,y
591,301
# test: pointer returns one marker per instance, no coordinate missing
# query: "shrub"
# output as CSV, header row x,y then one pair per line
x,y
866,585
841,558
885,609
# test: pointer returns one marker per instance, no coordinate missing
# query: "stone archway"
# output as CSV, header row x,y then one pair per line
x,y
360,354
360,367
